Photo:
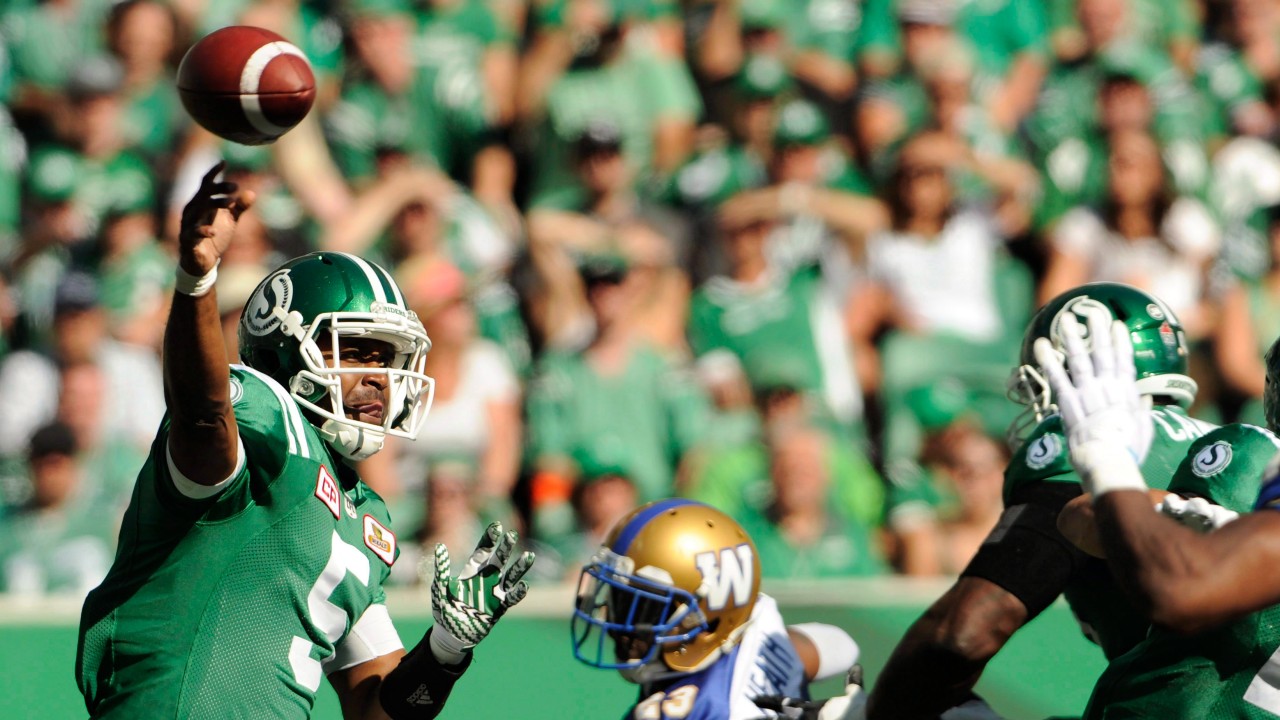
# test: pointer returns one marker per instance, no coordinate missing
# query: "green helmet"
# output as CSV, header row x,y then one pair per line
x,y
1159,347
346,297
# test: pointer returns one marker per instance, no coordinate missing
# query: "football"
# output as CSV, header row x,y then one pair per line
x,y
246,84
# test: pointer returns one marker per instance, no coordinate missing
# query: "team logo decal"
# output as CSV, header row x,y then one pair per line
x,y
327,490
349,506
275,293
1043,450
379,539
728,575
1082,308
237,390
1212,459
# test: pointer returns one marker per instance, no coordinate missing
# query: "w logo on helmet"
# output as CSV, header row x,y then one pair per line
x,y
728,572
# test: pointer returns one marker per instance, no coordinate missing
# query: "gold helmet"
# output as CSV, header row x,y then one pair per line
x,y
673,586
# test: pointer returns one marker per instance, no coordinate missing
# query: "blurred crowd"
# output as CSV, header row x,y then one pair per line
x,y
777,255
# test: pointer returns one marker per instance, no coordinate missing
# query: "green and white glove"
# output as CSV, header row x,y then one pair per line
x,y
1107,424
466,608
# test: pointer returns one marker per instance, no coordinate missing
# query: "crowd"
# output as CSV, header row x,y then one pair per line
x,y
776,255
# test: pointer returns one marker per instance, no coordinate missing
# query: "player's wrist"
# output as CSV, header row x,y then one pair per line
x,y
1106,467
447,649
195,285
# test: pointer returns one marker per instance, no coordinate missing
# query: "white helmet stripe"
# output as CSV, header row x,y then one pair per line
x,y
379,294
391,283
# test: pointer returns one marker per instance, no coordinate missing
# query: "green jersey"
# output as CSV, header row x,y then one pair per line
x,y
783,330
236,603
1225,673
1092,594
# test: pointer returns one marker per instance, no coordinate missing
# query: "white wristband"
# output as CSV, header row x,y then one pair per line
x,y
189,284
1107,466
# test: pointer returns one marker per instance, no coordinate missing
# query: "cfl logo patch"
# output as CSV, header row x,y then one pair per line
x,y
727,573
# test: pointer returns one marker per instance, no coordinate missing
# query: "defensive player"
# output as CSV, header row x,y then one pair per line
x,y
1211,597
252,557
672,601
1025,563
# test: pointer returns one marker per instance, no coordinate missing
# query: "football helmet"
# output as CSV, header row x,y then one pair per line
x,y
673,587
1159,347
1271,390
338,296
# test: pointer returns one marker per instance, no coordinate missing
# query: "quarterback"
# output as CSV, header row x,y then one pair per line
x,y
1026,563
1213,597
252,557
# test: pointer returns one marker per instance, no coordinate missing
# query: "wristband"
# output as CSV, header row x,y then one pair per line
x,y
189,284
419,686
1106,466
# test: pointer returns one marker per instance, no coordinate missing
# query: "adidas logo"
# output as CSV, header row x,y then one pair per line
x,y
421,696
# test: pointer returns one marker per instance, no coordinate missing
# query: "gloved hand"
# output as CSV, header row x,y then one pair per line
x,y
850,706
466,609
1197,513
1107,424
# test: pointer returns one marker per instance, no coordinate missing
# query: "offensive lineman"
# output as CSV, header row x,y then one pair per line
x,y
1212,598
252,557
1025,563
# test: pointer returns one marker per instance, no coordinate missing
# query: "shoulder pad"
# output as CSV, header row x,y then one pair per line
x,y
1227,466
1042,457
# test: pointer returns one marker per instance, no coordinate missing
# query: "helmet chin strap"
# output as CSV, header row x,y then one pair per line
x,y
351,443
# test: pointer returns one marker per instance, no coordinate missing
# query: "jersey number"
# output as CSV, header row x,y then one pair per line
x,y
674,705
330,619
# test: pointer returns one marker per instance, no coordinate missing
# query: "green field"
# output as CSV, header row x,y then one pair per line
x,y
526,669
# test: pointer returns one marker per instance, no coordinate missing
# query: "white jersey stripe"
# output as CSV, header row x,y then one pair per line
x,y
379,294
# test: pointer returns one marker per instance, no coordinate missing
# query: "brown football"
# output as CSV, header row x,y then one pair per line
x,y
246,84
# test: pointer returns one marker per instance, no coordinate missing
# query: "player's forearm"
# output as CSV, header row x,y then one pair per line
x,y
202,435
941,657
1186,581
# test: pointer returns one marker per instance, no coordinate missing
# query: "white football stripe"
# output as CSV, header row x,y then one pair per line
x,y
379,294
251,78
395,289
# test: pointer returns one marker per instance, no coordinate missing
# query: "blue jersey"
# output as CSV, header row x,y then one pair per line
x,y
763,663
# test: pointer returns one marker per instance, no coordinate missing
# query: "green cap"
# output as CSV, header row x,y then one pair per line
x,y
51,177
763,14
800,122
938,403
1132,63
763,77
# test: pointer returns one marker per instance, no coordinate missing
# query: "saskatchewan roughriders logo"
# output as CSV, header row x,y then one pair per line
x,y
1212,459
1082,308
1043,451
275,293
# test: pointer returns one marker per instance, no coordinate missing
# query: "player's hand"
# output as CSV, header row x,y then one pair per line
x,y
1107,424
209,221
466,608
1197,513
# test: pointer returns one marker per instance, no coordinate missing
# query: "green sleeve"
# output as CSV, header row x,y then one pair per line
x,y
1227,466
669,89
827,26
705,333
1025,30
1041,458
879,30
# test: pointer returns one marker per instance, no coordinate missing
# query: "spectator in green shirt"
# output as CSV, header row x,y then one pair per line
x,y
58,543
436,114
1169,26
143,35
618,402
1233,72
469,32
799,534
46,42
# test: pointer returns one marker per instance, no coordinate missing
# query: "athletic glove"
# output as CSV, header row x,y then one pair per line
x,y
852,705
1197,513
465,609
1107,424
